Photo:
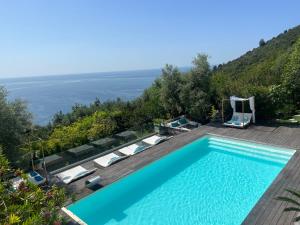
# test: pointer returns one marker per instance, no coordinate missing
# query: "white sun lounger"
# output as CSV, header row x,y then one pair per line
x,y
133,149
73,174
154,140
238,121
107,160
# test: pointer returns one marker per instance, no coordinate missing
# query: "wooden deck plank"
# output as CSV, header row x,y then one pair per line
x,y
273,214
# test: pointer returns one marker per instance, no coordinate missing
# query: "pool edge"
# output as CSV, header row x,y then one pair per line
x,y
73,216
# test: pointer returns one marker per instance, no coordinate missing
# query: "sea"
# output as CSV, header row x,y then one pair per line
x,y
47,95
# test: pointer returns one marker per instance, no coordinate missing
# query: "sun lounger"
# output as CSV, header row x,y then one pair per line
x,y
133,149
73,174
182,124
35,178
238,121
154,140
107,160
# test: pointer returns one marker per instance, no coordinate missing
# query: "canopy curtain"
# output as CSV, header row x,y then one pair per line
x,y
252,107
232,102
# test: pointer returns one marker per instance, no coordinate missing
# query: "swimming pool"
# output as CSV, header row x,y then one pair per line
x,y
213,180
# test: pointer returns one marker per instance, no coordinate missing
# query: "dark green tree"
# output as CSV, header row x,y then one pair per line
x,y
14,121
291,77
262,42
171,82
194,95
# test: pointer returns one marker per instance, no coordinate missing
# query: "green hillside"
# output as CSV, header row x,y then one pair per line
x,y
257,71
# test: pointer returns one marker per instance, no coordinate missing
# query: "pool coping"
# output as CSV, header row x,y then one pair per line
x,y
73,216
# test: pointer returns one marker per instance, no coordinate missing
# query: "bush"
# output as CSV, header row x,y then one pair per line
x,y
29,204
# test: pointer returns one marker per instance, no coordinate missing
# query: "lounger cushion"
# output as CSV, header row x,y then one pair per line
x,y
175,124
33,173
107,160
75,173
183,121
132,149
38,178
235,118
154,140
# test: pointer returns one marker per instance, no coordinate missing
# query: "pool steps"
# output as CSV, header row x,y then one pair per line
x,y
255,146
258,151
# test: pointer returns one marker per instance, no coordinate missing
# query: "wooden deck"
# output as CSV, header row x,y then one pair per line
x,y
266,211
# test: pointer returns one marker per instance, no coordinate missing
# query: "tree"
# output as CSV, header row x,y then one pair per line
x,y
291,77
286,95
261,42
171,82
28,204
14,121
194,95
148,106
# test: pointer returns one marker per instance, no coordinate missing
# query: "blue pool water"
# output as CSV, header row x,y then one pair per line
x,y
211,181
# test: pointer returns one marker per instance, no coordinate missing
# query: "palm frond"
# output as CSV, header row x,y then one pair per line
x,y
288,209
294,192
296,219
287,199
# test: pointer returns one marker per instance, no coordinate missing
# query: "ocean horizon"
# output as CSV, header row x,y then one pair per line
x,y
47,95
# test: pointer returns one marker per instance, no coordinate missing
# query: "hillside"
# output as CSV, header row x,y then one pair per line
x,y
273,52
255,72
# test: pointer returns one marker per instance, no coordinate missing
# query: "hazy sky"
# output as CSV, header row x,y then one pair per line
x,y
39,37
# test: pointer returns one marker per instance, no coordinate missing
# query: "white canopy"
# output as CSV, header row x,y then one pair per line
x,y
234,99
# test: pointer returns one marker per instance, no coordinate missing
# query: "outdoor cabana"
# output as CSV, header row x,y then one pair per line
x,y
126,135
239,119
81,150
104,142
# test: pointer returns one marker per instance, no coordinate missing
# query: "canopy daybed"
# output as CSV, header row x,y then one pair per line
x,y
240,119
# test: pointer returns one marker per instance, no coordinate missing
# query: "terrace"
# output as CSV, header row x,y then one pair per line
x,y
266,211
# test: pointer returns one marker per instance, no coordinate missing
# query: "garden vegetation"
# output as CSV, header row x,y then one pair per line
x,y
270,72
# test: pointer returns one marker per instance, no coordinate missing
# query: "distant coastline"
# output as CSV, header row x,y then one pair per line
x,y
184,68
49,94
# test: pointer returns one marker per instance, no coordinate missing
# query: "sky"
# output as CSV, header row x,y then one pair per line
x,y
43,37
